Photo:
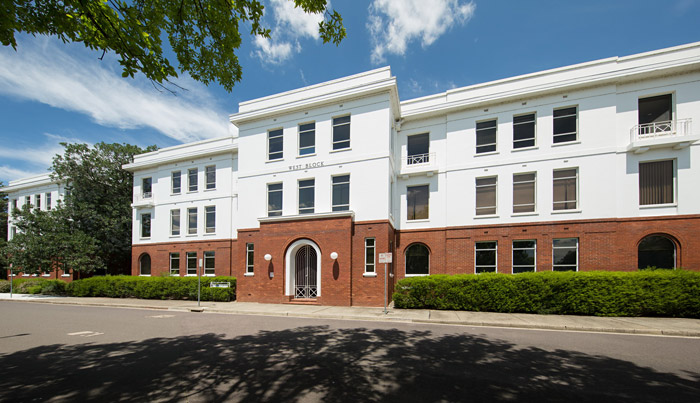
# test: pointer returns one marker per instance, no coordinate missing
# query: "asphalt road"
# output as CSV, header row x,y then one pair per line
x,y
72,353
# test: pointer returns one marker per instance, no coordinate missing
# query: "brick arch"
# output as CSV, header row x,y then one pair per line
x,y
674,240
289,255
405,260
150,263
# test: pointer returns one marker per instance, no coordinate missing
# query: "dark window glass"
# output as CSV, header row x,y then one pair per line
x,y
144,265
307,138
306,196
192,220
564,189
175,222
191,263
565,254
250,258
656,251
524,193
486,195
192,180
174,264
565,125
418,148
147,187
176,182
656,182
485,260
417,199
341,193
274,199
210,219
145,225
275,144
524,131
210,176
655,109
209,263
524,256
486,136
341,132
417,260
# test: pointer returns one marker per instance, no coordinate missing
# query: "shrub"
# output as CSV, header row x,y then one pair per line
x,y
674,293
152,288
34,285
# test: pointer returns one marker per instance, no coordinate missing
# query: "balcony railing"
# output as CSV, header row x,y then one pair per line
x,y
419,164
676,134
143,200
680,127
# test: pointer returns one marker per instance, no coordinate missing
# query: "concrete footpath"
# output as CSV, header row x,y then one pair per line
x,y
649,326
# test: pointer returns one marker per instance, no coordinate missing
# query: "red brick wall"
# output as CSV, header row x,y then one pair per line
x,y
160,256
368,290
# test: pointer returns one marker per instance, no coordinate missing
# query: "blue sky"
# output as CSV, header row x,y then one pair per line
x,y
52,92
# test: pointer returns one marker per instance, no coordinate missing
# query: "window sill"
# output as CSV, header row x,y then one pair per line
x,y
174,236
275,160
192,191
25,275
418,220
306,155
190,275
567,143
487,154
174,274
515,150
526,214
210,190
653,206
208,275
369,274
145,238
210,233
248,274
176,194
45,275
566,211
485,216
144,275
417,275
340,150
191,235
65,275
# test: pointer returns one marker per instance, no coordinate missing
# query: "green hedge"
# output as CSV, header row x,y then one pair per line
x,y
34,286
673,293
152,288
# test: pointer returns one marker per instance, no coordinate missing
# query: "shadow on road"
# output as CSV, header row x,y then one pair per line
x,y
319,363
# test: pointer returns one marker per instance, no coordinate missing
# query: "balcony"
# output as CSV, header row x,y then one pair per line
x,y
675,134
419,164
143,200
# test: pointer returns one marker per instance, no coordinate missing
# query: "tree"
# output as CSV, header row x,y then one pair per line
x,y
49,240
98,199
203,35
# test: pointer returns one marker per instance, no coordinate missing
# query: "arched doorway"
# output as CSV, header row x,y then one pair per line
x,y
656,251
145,265
303,270
417,260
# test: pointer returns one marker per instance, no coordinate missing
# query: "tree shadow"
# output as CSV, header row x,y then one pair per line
x,y
319,363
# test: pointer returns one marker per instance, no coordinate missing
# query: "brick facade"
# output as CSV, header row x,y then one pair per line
x,y
603,245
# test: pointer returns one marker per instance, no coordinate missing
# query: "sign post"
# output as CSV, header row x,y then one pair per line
x,y
385,258
199,280
11,279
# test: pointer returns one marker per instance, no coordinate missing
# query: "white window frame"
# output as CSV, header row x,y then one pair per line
x,y
209,169
144,193
192,230
578,197
674,164
477,186
173,174
172,222
578,241
555,135
340,207
171,264
190,183
209,210
150,225
299,188
495,250
47,197
513,249
476,138
190,256
37,201
534,191
249,263
281,157
334,125
373,248
209,256
534,131
427,185
273,213
299,148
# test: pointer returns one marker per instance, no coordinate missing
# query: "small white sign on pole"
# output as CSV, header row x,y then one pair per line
x,y
385,258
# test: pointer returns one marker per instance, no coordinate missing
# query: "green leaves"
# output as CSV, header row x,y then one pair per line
x,y
203,35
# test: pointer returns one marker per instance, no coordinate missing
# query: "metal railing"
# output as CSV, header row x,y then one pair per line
x,y
418,159
679,127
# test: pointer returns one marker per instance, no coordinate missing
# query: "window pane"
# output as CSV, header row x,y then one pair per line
x,y
306,196
486,136
485,259
656,182
210,219
524,131
369,255
341,132
250,257
564,189
176,182
275,144
147,187
175,222
209,263
192,263
210,177
341,193
274,199
656,251
175,264
417,260
486,195
418,144
192,220
145,225
655,109
192,180
417,202
307,138
523,193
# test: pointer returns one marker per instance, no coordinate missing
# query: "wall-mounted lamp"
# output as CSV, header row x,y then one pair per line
x,y
334,255
268,257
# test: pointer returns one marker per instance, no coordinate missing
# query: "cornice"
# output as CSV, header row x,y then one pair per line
x,y
156,160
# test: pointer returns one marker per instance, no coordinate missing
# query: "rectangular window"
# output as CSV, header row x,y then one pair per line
x,y
486,195
656,183
175,222
565,254
37,201
28,201
192,175
14,204
524,131
565,125
524,256
176,182
341,193
306,196
210,219
274,199
174,264
418,149
191,263
369,255
565,182
418,202
307,138
485,257
524,192
656,109
192,220
486,136
341,132
275,145
210,263
210,177
249,258
146,225
147,188
48,200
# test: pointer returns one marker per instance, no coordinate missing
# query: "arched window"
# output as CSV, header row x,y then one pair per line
x,y
656,251
145,265
417,260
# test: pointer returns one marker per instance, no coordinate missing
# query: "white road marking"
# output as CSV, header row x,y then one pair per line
x,y
85,333
161,316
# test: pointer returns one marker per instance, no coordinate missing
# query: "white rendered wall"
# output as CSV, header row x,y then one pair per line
x,y
20,189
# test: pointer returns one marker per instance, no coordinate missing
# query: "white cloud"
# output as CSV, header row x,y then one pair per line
x,y
41,70
34,159
291,25
14,173
393,24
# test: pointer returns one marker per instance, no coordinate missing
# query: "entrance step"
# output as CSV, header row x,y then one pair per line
x,y
303,301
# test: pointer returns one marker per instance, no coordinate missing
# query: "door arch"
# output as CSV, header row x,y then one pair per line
x,y
656,250
301,258
145,265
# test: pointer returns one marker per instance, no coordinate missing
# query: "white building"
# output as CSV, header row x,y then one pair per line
x,y
585,167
